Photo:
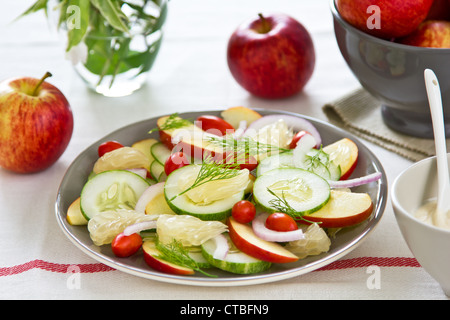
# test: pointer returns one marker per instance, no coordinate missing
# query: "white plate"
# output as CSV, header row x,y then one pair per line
x,y
345,240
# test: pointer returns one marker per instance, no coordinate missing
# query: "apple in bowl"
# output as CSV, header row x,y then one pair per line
x,y
385,19
431,34
36,124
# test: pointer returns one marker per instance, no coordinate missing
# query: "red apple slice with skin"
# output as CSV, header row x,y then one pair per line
x,y
344,209
234,115
344,153
190,139
246,240
151,257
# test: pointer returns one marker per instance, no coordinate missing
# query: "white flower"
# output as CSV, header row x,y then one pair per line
x,y
77,53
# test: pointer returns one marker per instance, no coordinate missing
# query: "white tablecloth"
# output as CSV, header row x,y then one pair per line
x,y
189,74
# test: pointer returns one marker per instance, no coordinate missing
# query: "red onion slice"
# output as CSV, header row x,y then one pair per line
x,y
260,229
296,123
355,182
222,247
149,193
138,227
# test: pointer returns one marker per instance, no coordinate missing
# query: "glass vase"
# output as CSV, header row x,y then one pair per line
x,y
117,63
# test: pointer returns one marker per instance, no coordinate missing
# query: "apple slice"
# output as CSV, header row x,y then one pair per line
x,y
151,257
144,146
193,142
344,209
246,240
74,215
152,201
234,115
184,133
343,153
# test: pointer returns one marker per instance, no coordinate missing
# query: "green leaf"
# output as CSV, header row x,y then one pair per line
x,y
144,60
62,7
77,20
162,15
112,13
38,5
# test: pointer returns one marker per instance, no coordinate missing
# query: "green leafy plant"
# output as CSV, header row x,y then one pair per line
x,y
106,27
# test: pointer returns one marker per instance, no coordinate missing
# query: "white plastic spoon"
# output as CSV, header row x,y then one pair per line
x,y
437,116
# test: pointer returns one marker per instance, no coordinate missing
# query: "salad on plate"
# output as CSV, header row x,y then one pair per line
x,y
238,192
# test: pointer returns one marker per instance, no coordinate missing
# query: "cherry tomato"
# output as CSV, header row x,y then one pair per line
x,y
175,161
279,221
214,125
108,146
243,211
125,246
297,137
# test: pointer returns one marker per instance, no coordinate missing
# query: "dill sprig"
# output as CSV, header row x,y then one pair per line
x,y
282,205
174,252
319,157
245,145
211,170
173,122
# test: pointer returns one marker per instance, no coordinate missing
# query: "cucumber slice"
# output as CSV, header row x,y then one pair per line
x,y
111,190
200,259
181,204
236,261
157,171
304,191
333,170
160,152
324,168
281,160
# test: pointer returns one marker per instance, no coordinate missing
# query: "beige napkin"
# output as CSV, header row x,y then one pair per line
x,y
360,113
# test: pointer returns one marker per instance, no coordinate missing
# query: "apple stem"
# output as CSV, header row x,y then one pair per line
x,y
36,89
265,26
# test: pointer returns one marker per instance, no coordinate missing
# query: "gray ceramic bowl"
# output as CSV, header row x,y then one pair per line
x,y
393,73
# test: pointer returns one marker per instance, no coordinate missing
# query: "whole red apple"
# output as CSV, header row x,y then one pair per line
x,y
272,56
431,33
36,124
384,18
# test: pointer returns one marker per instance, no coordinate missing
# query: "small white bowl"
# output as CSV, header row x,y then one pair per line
x,y
429,244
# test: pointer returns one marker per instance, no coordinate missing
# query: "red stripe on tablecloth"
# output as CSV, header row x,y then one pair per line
x,y
364,262
361,262
54,267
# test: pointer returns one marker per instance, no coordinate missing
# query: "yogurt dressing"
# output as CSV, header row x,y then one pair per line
x,y
426,212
